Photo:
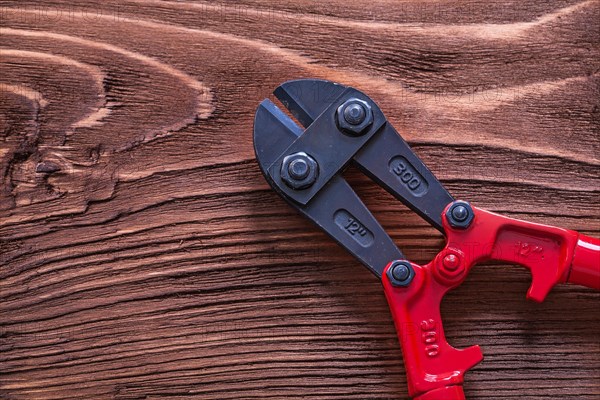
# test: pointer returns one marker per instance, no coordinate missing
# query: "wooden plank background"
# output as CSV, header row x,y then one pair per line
x,y
143,256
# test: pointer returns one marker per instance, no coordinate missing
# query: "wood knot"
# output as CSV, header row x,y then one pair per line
x,y
47,167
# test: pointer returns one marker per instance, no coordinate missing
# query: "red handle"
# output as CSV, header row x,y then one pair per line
x,y
435,370
585,268
553,255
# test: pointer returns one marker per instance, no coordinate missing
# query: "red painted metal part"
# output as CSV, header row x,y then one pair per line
x,y
435,369
584,268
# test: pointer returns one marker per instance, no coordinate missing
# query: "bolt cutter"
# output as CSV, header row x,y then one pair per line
x,y
342,126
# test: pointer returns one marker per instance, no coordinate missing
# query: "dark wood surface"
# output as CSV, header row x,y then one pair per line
x,y
143,256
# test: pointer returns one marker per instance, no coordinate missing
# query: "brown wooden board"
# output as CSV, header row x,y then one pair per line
x,y
143,255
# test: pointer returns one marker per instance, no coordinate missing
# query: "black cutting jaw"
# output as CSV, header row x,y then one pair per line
x,y
304,164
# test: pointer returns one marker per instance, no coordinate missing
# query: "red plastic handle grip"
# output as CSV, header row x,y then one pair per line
x,y
585,268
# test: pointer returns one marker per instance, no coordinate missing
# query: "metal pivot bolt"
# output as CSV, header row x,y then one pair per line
x,y
299,170
354,116
450,265
451,262
400,273
460,215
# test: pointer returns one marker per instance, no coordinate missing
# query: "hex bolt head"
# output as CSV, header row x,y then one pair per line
x,y
460,215
400,273
354,116
299,171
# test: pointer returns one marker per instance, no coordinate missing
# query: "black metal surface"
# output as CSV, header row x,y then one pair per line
x,y
314,95
387,159
319,192
335,208
324,142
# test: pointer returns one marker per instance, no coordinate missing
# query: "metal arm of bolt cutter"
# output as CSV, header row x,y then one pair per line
x,y
435,369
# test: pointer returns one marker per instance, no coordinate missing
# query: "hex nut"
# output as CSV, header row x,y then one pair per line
x,y
352,124
408,273
455,210
303,179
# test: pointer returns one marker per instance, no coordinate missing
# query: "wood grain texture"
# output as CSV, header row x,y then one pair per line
x,y
143,256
